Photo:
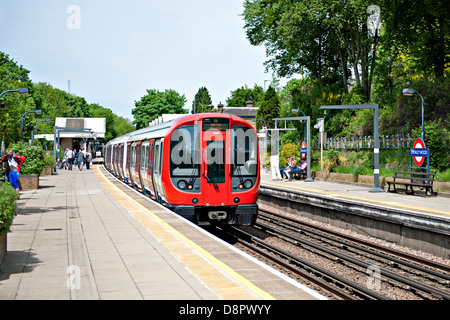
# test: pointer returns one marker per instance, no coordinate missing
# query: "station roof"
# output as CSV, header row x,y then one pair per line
x,y
97,126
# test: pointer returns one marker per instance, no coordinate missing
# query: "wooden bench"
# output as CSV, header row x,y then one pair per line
x,y
299,174
415,179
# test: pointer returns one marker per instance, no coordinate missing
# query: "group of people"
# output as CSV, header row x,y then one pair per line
x,y
291,165
72,157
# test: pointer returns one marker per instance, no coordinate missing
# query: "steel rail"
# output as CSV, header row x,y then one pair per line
x,y
371,251
428,263
356,289
360,263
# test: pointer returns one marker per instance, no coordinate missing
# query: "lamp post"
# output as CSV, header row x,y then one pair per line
x,y
21,91
38,112
408,93
45,132
47,120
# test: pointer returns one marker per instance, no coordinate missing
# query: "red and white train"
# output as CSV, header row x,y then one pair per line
x,y
204,167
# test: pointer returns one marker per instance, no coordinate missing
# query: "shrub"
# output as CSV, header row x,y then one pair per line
x,y
8,197
34,163
49,160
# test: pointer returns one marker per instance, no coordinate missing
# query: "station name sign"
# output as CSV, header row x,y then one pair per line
x,y
419,152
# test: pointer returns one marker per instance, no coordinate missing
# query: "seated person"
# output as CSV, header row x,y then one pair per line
x,y
283,170
298,169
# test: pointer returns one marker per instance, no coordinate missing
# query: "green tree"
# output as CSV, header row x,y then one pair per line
x,y
269,107
155,103
421,29
321,38
12,77
202,101
240,96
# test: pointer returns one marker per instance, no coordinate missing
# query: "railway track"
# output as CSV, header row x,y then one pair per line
x,y
383,269
324,281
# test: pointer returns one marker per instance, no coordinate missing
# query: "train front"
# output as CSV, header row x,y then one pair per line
x,y
213,171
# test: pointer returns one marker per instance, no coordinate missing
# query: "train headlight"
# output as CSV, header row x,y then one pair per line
x,y
182,184
195,201
236,200
248,184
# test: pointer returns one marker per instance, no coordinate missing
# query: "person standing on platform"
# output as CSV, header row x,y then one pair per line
x,y
70,156
274,164
88,160
80,159
14,162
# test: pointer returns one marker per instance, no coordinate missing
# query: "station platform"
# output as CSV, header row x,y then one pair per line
x,y
83,235
431,205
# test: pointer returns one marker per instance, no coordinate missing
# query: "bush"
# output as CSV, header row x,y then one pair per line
x,y
8,197
49,160
34,162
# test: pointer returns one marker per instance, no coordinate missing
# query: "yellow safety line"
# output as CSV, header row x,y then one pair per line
x,y
233,274
395,204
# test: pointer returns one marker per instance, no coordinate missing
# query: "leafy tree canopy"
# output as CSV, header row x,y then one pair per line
x,y
155,103
202,101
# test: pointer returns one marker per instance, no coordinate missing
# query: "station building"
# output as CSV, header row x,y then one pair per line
x,y
76,133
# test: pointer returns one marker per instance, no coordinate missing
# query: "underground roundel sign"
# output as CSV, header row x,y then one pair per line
x,y
303,150
419,152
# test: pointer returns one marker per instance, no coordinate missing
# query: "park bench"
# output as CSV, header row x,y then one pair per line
x,y
300,171
415,179
299,174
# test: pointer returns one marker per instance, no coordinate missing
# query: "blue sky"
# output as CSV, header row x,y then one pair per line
x,y
112,51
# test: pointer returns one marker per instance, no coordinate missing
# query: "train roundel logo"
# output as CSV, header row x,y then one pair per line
x,y
303,150
419,144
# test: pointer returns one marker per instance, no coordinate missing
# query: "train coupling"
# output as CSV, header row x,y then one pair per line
x,y
217,215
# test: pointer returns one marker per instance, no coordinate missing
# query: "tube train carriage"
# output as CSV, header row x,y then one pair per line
x,y
204,167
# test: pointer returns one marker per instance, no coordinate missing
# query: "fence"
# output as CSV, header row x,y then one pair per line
x,y
396,141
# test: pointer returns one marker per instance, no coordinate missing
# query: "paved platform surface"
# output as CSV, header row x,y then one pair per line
x,y
80,237
437,206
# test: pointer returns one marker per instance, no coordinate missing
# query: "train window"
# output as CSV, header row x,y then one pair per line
x,y
143,156
216,162
185,152
157,158
245,151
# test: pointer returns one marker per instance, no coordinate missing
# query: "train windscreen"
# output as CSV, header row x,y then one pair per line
x,y
245,151
185,152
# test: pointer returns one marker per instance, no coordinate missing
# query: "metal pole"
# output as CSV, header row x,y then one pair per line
x,y
54,149
376,172
308,152
376,157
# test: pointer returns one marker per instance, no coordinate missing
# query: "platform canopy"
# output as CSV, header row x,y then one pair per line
x,y
97,126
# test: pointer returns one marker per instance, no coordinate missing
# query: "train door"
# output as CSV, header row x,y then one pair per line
x,y
144,167
214,183
120,161
128,165
157,170
150,159
137,166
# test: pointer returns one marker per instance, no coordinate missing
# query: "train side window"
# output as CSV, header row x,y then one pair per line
x,y
161,151
157,158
